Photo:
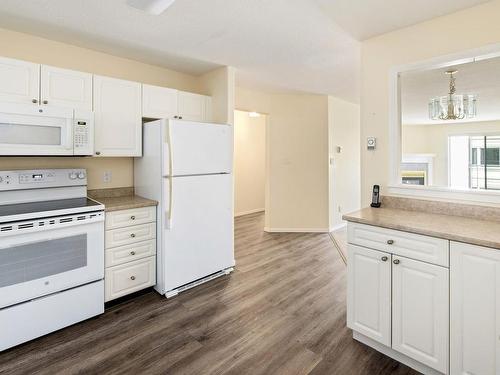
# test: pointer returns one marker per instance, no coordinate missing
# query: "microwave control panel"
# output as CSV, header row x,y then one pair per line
x,y
83,136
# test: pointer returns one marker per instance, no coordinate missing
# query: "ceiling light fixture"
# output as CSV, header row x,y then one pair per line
x,y
452,106
155,7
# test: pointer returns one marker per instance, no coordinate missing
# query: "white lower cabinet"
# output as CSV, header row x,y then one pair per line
x,y
369,293
130,251
420,312
399,302
475,310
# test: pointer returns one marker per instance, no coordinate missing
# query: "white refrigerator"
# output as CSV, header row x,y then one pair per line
x,y
187,167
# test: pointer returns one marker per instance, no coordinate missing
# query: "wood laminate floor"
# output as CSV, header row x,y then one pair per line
x,y
281,312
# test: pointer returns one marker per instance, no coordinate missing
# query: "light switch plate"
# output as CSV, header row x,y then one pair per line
x,y
371,143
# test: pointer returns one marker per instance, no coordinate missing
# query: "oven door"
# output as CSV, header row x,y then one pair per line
x,y
35,130
60,254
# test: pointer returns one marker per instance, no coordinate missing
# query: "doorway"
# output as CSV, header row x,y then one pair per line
x,y
249,162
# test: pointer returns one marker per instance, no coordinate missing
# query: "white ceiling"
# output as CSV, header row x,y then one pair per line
x,y
281,45
481,78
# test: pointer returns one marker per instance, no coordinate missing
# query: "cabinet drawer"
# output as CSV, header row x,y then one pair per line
x,y
129,235
126,218
128,253
131,277
415,246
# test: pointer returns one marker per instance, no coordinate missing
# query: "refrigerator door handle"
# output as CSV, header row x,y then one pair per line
x,y
168,222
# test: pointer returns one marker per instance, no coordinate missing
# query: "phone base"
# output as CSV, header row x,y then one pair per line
x,y
375,205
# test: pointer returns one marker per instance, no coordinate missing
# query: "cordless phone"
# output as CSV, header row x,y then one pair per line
x,y
376,196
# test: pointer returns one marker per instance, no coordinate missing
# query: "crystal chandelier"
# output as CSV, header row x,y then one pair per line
x,y
452,106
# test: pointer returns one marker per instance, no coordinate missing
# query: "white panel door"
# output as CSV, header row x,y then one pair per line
x,y
198,148
19,81
369,293
66,88
420,312
475,309
118,121
158,102
191,106
199,237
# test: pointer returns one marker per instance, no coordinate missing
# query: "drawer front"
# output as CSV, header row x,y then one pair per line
x,y
128,253
130,235
415,246
126,218
131,277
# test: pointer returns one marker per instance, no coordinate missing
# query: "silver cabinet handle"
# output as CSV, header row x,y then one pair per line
x,y
132,253
384,259
390,242
98,153
34,101
132,277
396,261
132,217
45,102
180,117
132,235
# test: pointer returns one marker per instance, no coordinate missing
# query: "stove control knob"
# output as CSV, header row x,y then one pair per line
x,y
81,175
72,176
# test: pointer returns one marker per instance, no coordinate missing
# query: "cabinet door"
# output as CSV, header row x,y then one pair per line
x,y
475,309
118,122
420,311
191,106
66,88
158,102
19,81
369,293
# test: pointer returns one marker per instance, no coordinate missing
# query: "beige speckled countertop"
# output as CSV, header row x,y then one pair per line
x,y
454,228
120,199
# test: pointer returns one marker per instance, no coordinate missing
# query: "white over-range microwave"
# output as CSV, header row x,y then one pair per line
x,y
35,130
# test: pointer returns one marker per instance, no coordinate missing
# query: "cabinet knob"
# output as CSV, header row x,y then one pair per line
x,y
45,102
132,217
132,235
176,116
132,277
390,242
384,259
98,153
395,261
180,117
34,101
132,253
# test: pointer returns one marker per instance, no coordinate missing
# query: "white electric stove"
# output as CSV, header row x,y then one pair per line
x,y
51,253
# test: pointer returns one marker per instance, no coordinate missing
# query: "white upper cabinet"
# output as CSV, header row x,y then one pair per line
x,y
475,309
420,312
192,107
158,102
66,88
369,293
19,81
118,122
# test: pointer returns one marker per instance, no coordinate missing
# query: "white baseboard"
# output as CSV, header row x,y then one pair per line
x,y
410,362
296,230
338,226
249,212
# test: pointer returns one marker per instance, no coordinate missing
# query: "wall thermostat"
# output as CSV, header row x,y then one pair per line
x,y
371,143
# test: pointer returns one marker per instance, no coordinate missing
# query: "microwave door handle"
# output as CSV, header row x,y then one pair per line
x,y
69,135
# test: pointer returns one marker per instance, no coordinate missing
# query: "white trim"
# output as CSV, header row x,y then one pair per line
x,y
338,226
410,362
249,212
296,230
394,184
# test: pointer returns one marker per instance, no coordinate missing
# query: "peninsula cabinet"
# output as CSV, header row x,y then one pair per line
x,y
475,310
118,118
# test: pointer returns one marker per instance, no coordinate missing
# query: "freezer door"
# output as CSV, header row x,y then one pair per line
x,y
195,148
199,240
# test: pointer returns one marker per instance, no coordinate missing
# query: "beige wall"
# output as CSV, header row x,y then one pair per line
x,y
249,163
467,29
32,48
297,180
343,132
433,139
